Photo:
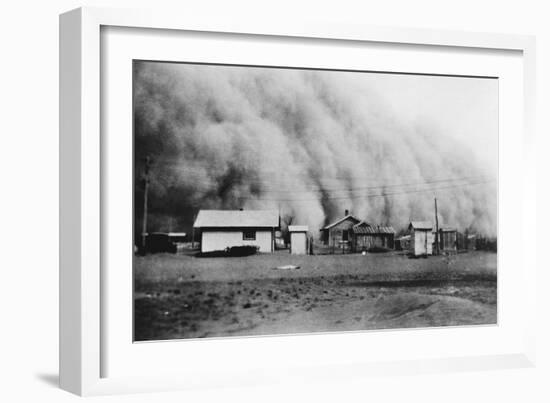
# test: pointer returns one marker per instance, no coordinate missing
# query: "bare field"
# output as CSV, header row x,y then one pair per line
x,y
178,296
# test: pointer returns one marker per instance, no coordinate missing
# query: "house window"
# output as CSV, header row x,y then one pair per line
x,y
249,235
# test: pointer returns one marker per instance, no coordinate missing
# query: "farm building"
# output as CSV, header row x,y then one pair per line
x,y
338,233
422,238
298,239
177,237
366,236
447,240
221,229
465,241
403,242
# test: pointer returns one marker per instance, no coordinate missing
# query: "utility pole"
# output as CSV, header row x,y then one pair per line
x,y
193,232
436,229
145,197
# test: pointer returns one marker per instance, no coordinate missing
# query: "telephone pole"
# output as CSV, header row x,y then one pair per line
x,y
145,197
436,229
193,232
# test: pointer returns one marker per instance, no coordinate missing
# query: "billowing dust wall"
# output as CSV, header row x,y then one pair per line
x,y
314,143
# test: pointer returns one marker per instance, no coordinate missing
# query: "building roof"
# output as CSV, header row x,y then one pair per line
x,y
349,216
426,225
298,228
237,218
365,228
182,234
447,229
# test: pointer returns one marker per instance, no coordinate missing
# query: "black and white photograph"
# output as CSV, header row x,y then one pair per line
x,y
270,200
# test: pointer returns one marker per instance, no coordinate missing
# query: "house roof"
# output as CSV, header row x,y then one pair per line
x,y
237,218
349,216
298,228
426,225
365,228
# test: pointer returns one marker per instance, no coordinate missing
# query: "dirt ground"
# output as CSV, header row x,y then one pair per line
x,y
179,296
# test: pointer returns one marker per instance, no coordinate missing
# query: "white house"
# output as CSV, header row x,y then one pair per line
x,y
422,238
221,229
298,239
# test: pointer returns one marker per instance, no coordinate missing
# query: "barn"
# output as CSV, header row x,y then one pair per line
x,y
221,229
422,238
366,237
338,234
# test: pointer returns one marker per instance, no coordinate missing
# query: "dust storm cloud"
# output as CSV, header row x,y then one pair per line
x,y
313,144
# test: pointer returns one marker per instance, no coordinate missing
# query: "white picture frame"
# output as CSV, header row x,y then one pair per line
x,y
83,309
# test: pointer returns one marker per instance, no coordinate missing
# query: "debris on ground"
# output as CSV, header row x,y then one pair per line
x,y
287,267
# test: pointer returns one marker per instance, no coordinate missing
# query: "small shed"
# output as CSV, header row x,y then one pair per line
x,y
221,229
339,232
465,241
403,243
298,239
366,237
422,238
448,240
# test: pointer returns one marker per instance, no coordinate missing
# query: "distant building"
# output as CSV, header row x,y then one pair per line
x,y
339,231
159,242
422,238
448,240
177,237
403,243
366,236
298,239
221,229
466,241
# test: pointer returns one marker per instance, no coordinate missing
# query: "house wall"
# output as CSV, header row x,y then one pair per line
x,y
363,242
212,240
298,243
421,242
334,235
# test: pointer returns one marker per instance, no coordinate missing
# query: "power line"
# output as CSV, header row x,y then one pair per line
x,y
382,187
270,186
331,177
367,196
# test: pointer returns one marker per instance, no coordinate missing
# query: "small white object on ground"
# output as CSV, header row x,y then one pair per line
x,y
287,267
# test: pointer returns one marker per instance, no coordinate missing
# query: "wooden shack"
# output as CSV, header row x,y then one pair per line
x,y
422,238
366,237
403,243
338,233
465,241
298,239
448,240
